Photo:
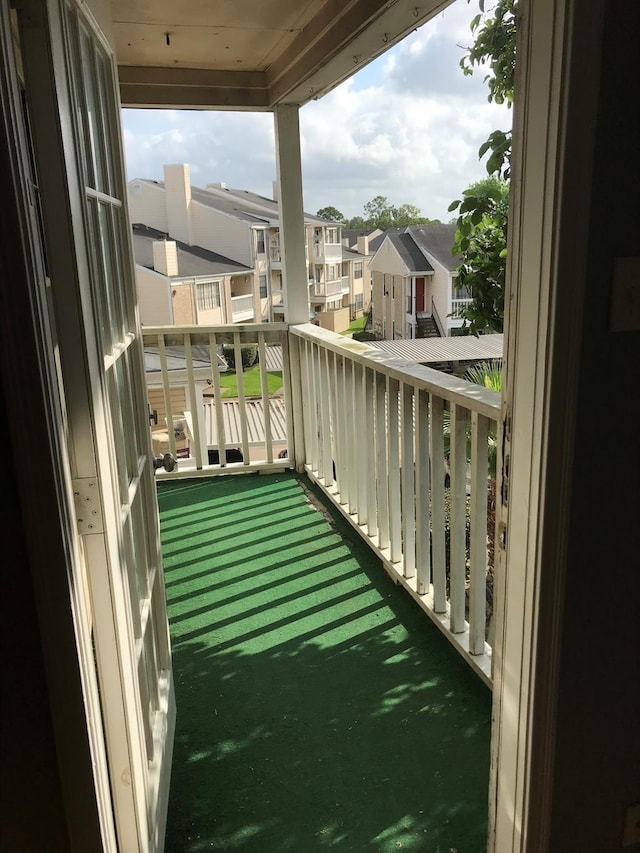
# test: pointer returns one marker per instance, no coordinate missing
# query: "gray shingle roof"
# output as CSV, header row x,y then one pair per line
x,y
437,239
410,252
192,260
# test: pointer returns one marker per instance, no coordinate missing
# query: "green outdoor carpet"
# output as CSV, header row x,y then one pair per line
x,y
318,707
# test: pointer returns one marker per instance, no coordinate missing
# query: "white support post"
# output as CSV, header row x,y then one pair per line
x,y
292,235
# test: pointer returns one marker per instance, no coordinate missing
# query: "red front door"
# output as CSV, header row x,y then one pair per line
x,y
419,294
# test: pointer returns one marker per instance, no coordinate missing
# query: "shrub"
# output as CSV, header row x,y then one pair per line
x,y
364,336
248,353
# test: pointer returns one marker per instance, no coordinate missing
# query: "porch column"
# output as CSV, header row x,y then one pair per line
x,y
295,283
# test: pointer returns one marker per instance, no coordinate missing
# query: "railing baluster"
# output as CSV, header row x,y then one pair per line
x,y
242,405
307,403
393,433
217,401
458,523
370,443
343,415
317,355
360,438
351,424
294,427
408,483
438,550
312,409
382,470
478,544
423,556
325,415
197,403
166,389
266,401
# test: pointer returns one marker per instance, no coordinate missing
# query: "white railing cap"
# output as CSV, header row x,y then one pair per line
x,y
455,390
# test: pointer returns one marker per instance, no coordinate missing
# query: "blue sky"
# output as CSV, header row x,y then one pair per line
x,y
407,126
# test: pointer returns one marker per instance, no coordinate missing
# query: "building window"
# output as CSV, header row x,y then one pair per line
x,y
357,269
263,287
358,301
332,273
332,235
208,295
260,244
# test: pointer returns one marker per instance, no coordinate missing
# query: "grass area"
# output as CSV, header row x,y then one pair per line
x,y
252,386
356,325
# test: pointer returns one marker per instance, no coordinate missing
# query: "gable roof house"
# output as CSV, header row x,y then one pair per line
x,y
179,284
413,283
89,705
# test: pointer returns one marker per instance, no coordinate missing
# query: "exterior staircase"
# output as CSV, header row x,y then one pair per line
x,y
426,328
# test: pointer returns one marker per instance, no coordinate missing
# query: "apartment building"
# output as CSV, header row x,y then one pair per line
x,y
245,226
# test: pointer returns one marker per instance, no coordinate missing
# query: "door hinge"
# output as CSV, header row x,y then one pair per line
x,y
86,496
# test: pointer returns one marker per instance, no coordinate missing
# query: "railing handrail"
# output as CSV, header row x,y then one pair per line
x,y
436,319
458,391
245,296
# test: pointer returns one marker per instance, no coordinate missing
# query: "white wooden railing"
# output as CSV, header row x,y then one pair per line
x,y
404,452
242,308
391,443
458,306
329,288
225,435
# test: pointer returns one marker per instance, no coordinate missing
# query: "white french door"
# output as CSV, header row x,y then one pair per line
x,y
71,90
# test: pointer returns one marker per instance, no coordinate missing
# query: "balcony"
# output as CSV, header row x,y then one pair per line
x,y
242,308
341,602
317,708
330,289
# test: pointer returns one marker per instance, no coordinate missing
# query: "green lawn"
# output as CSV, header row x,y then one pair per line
x,y
252,386
356,325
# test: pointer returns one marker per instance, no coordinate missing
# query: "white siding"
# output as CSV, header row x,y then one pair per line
x,y
154,298
147,205
387,260
222,234
439,285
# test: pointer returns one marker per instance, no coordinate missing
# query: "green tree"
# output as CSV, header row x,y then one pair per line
x,y
481,241
481,237
331,214
379,213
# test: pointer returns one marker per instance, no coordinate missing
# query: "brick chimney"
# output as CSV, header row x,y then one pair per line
x,y
177,184
165,257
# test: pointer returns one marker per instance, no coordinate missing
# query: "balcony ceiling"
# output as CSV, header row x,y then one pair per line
x,y
251,54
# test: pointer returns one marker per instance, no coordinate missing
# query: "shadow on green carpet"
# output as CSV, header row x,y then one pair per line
x,y
317,707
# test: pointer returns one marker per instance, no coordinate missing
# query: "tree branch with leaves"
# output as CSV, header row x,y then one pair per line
x,y
481,235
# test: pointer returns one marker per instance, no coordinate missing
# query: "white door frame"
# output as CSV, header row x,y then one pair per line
x,y
554,129
28,346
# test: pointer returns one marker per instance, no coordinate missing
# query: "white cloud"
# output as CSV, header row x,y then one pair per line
x,y
411,133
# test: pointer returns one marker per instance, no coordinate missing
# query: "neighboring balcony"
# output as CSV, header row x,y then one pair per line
x,y
331,289
457,307
242,308
330,607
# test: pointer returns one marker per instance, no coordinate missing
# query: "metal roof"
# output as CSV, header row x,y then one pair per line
x,y
430,350
254,411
